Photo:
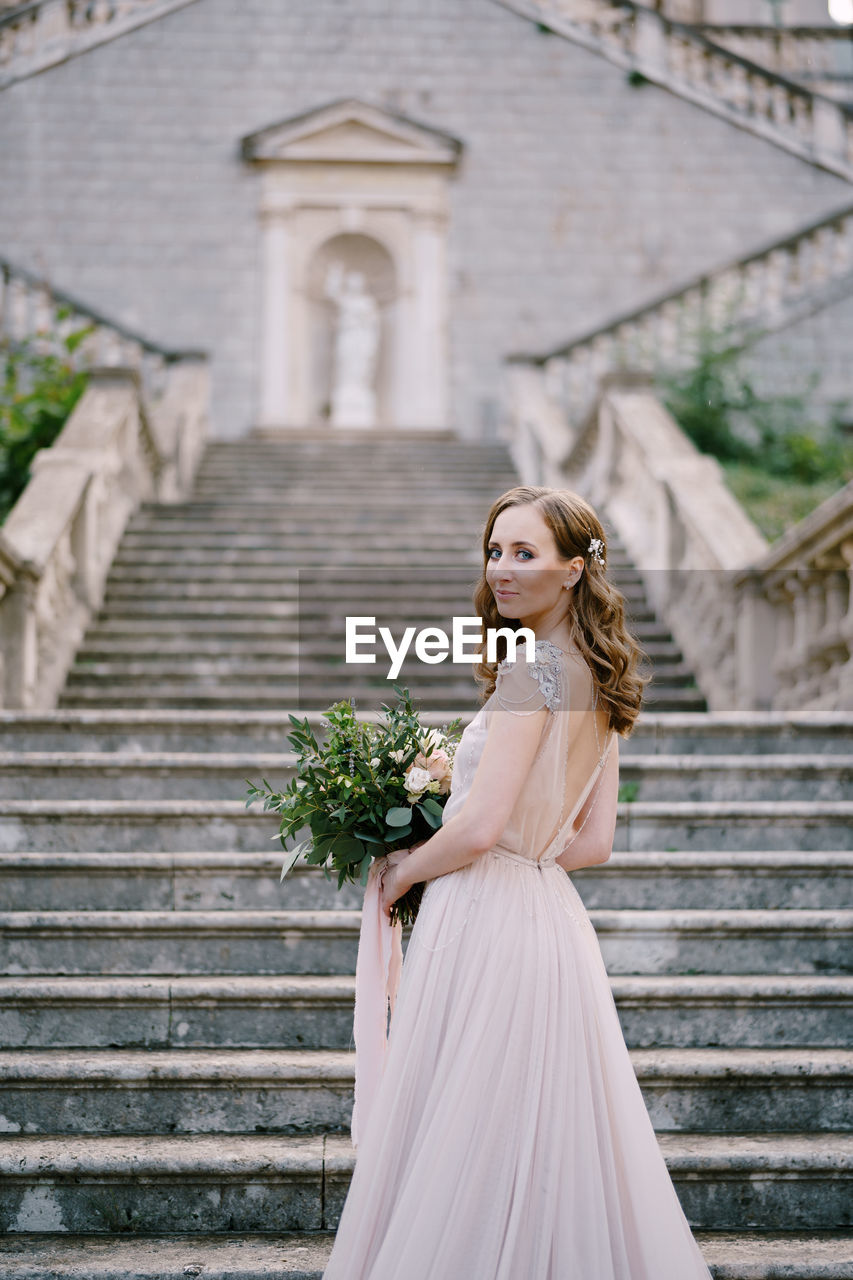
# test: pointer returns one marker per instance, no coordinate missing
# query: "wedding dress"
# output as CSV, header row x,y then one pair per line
x,y
508,1138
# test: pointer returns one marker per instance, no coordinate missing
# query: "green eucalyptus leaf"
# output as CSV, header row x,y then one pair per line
x,y
398,816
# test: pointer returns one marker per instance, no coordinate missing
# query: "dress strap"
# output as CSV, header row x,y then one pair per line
x,y
547,860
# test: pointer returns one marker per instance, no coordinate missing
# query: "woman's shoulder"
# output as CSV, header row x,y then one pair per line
x,y
521,680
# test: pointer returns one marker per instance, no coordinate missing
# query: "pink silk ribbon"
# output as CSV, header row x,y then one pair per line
x,y
377,977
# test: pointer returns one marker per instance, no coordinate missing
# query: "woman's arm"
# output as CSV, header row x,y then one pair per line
x,y
596,821
507,757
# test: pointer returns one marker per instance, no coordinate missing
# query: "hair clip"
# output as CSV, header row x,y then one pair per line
x,y
596,550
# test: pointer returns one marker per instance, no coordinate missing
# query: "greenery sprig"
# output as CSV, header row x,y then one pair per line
x,y
367,790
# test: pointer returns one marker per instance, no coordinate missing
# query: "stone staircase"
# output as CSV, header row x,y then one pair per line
x,y
177,1066
238,597
752,95
45,33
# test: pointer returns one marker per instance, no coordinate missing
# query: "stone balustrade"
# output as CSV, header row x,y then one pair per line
x,y
796,612
678,56
767,290
821,58
44,32
136,432
761,627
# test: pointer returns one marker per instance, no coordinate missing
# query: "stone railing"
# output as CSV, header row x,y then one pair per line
x,y
677,56
136,432
821,58
44,32
767,290
795,609
760,627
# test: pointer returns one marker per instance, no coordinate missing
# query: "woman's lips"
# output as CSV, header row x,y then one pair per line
x,y
506,594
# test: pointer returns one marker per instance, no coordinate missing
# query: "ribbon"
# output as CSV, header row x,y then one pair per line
x,y
377,977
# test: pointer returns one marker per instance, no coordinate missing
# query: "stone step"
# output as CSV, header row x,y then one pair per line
x,y
329,508
179,696
220,775
321,590
247,649
284,627
62,1091
246,942
477,493
161,729
183,825
364,553
148,1183
315,680
315,1011
304,1256
212,881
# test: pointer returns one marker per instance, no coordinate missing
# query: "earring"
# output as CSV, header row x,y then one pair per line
x,y
568,584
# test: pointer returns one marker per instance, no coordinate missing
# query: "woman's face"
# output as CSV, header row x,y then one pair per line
x,y
525,571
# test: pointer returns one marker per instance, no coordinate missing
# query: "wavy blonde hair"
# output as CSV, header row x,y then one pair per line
x,y
597,607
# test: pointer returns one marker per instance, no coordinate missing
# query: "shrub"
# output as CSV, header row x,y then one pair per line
x,y
39,389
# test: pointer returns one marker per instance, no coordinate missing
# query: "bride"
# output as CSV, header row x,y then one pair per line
x,y
508,1138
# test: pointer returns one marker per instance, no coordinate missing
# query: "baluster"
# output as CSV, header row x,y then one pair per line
x,y
780,105
18,316
842,246
845,675
100,12
577,378
782,593
775,272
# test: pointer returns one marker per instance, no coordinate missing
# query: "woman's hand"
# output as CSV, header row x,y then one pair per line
x,y
392,883
391,887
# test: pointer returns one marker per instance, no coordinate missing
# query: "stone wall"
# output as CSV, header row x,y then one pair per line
x,y
778,363
577,195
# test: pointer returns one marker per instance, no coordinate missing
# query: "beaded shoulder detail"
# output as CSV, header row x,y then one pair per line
x,y
545,669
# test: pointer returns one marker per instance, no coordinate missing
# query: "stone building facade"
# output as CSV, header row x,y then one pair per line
x,y
502,187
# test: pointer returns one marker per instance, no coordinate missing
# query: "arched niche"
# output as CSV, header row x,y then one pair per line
x,y
352,251
376,184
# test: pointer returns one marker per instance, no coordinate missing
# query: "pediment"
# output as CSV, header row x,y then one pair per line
x,y
351,132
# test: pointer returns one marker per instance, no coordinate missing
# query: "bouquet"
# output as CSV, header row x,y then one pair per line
x,y
368,790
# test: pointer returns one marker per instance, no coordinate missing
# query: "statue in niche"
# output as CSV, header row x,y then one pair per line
x,y
356,345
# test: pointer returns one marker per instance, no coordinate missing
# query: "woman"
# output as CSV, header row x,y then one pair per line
x,y
508,1138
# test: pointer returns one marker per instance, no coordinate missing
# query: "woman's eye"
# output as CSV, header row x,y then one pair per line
x,y
523,552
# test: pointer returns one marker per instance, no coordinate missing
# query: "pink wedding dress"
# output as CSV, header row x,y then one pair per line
x,y
508,1138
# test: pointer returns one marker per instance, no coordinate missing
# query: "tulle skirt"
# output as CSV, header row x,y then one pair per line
x,y
509,1138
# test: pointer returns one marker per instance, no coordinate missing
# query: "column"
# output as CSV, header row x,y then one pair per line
x,y
430,277
276,353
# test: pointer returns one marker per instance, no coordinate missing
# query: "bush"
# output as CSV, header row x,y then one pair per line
x,y
38,392
753,433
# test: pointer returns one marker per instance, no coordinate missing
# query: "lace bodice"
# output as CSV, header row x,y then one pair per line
x,y
569,760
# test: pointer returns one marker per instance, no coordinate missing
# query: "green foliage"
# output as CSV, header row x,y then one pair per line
x,y
628,792
755,434
37,394
351,792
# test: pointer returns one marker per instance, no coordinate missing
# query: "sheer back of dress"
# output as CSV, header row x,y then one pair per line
x,y
572,751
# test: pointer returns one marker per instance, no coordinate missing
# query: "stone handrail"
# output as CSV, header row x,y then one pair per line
x,y
766,290
819,57
43,33
761,627
59,539
796,611
677,56
136,432
34,310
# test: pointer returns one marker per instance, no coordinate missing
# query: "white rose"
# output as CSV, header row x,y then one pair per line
x,y
417,780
